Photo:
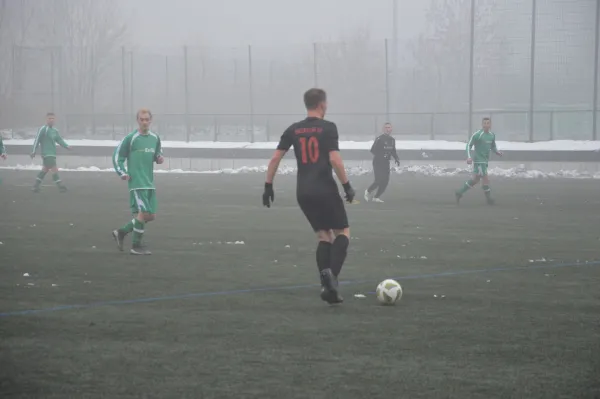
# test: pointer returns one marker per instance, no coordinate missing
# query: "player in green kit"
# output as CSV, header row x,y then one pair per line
x,y
47,137
140,148
483,142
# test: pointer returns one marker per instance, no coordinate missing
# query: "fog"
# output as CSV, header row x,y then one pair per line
x,y
235,70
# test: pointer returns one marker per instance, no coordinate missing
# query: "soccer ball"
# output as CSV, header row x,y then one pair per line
x,y
388,292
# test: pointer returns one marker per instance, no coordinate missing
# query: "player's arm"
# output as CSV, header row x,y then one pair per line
x,y
120,156
395,152
158,154
495,148
376,147
60,141
332,145
36,141
2,149
470,145
284,145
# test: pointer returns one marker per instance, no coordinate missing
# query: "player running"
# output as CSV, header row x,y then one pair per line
x,y
140,148
483,142
383,149
316,147
47,137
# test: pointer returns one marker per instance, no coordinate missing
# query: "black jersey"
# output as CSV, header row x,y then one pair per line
x,y
313,139
384,147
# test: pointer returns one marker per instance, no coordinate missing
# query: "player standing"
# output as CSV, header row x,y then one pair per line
x,y
316,146
2,152
140,148
383,149
483,141
47,137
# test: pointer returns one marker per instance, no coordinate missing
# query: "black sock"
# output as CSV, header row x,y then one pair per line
x,y
339,250
323,255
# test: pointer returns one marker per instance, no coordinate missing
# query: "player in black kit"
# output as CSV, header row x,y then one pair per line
x,y
383,149
316,147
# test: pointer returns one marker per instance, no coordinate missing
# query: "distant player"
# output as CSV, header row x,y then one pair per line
x,y
482,141
316,146
47,137
2,152
140,148
383,149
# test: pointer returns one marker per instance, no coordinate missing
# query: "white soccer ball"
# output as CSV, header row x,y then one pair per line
x,y
388,292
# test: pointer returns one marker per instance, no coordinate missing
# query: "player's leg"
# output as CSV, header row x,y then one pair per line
x,y
146,202
485,185
55,177
369,191
469,184
40,176
385,180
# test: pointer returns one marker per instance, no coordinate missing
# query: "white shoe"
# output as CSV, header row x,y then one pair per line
x,y
367,196
378,200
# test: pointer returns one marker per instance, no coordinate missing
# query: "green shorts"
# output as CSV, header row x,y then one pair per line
x,y
49,162
480,169
142,201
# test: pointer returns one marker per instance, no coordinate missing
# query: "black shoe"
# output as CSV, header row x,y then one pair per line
x,y
329,291
119,237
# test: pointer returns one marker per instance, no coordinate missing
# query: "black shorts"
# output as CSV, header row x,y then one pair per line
x,y
324,211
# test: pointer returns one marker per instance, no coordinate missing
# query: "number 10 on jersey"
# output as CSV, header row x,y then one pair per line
x,y
309,146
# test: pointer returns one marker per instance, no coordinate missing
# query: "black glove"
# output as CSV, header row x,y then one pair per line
x,y
268,195
397,162
350,193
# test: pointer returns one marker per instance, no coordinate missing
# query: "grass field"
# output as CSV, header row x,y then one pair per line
x,y
202,318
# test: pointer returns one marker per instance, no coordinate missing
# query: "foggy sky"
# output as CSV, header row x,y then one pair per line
x,y
263,22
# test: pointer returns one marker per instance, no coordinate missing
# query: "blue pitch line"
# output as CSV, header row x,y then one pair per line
x,y
292,287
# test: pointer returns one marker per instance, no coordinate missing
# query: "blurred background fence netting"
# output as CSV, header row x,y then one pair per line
x,y
425,85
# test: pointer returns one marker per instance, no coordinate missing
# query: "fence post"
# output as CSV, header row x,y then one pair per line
x,y
387,81
131,84
532,71
187,93
551,125
216,128
597,49
93,92
471,68
13,87
251,93
125,119
432,126
315,65
52,68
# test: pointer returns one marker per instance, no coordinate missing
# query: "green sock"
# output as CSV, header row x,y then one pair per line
x,y
138,232
487,190
468,185
56,179
39,178
128,228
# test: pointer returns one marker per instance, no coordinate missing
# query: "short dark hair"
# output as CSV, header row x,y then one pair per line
x,y
50,114
314,97
387,123
487,118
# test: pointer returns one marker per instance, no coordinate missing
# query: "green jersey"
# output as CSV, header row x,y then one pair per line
x,y
140,151
2,148
482,143
47,138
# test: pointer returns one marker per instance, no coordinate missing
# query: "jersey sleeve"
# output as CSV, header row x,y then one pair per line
x,y
394,150
286,141
2,147
471,143
494,147
158,150
375,148
331,141
121,154
60,140
36,141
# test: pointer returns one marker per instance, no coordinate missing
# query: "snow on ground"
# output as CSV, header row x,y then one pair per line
x,y
426,170
555,145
